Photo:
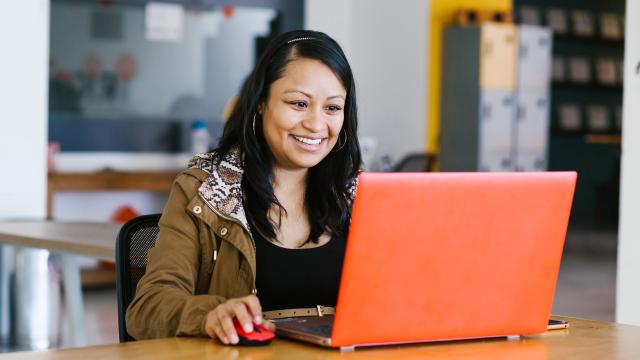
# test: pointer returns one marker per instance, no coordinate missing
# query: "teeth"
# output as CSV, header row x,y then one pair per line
x,y
308,141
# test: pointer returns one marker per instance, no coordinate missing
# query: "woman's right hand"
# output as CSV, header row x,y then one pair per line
x,y
246,309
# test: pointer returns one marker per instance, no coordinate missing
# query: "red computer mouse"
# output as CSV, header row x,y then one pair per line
x,y
259,336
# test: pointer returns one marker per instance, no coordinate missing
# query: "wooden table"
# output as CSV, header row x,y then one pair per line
x,y
69,238
585,339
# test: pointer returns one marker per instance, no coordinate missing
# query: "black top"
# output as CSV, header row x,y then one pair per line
x,y
298,278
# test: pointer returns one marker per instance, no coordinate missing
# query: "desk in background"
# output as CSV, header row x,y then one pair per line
x,y
107,181
70,239
584,340
101,181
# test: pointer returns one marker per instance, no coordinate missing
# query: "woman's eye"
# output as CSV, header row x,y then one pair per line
x,y
301,104
334,108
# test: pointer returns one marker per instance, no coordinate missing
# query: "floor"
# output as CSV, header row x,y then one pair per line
x,y
587,280
586,288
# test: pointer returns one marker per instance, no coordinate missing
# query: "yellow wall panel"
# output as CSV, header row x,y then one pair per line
x,y
443,13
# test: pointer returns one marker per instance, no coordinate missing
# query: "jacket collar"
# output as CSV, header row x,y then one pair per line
x,y
222,190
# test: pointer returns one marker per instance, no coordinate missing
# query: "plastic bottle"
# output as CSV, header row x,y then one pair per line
x,y
200,138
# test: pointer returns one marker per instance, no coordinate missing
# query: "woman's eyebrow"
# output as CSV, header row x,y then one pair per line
x,y
336,97
298,91
310,96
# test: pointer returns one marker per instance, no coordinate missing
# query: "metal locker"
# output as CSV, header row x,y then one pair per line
x,y
534,61
479,126
460,100
497,110
498,56
531,130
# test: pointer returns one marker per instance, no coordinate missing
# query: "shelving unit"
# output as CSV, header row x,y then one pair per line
x,y
107,181
591,144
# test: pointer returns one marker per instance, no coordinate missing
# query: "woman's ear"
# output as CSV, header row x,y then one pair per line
x,y
260,109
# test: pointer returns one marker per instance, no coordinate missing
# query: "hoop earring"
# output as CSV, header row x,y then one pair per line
x,y
343,143
254,125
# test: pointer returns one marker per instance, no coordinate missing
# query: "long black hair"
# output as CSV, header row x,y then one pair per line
x,y
327,197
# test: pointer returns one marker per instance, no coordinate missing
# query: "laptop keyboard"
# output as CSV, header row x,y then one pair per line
x,y
321,330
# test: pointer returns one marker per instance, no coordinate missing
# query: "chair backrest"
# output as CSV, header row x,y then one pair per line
x,y
135,239
415,163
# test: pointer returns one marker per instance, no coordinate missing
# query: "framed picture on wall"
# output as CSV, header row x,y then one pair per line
x,y
569,117
558,67
610,26
597,117
582,23
557,20
606,71
580,70
529,15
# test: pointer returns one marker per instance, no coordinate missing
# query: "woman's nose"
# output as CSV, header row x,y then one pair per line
x,y
314,122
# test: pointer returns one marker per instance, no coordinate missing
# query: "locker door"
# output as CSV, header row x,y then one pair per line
x,y
496,128
531,131
534,62
498,56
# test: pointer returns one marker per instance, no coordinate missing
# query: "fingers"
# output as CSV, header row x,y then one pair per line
x,y
246,310
220,333
254,308
269,325
225,317
208,325
213,327
242,314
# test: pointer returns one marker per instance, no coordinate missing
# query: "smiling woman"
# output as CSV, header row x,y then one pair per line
x,y
301,127
266,212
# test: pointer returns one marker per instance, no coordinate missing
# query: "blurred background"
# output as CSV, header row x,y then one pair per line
x,y
103,103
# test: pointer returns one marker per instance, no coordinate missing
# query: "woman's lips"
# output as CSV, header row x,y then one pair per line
x,y
308,144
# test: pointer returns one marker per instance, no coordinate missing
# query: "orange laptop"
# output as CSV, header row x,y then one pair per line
x,y
445,256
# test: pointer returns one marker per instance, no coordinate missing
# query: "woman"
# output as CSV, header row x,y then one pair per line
x,y
260,223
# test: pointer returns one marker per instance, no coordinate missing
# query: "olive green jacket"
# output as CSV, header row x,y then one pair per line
x,y
204,253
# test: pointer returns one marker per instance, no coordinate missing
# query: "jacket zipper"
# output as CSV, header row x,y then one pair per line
x,y
215,252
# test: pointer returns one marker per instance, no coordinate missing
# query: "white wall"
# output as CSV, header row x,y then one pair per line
x,y
628,287
332,17
24,44
169,73
386,43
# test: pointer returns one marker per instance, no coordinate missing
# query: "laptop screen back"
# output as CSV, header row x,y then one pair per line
x,y
441,256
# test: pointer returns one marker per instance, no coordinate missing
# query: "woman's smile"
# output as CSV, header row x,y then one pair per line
x,y
309,143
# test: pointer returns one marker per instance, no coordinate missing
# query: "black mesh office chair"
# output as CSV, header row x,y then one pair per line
x,y
135,239
415,163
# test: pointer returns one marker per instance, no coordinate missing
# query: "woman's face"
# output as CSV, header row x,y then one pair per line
x,y
303,114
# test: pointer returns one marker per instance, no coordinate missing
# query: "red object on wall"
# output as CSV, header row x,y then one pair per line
x,y
92,66
126,67
228,11
64,77
53,148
